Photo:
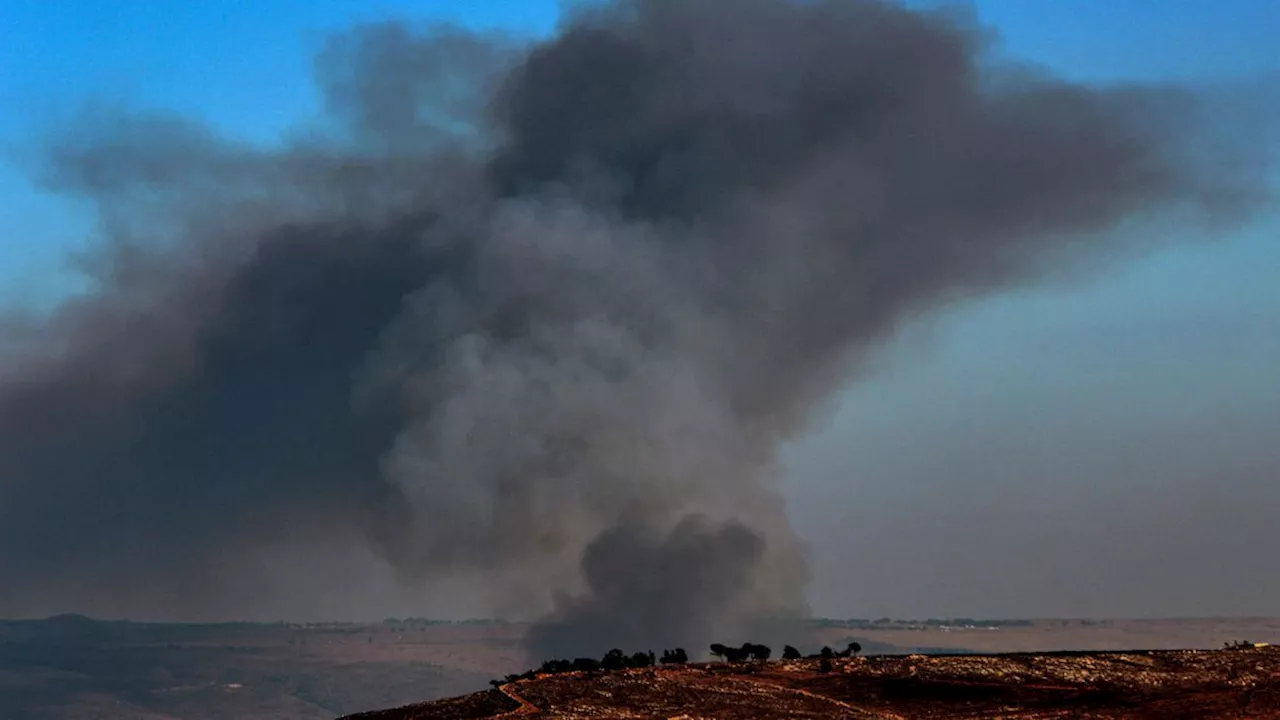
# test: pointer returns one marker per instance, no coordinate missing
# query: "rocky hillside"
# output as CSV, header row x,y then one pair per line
x,y
1199,685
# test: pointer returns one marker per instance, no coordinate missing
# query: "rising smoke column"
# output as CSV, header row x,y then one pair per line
x,y
540,317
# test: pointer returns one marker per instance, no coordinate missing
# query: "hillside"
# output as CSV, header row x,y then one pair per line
x,y
1167,684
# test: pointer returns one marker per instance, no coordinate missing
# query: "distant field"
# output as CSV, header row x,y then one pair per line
x,y
76,668
1047,635
73,667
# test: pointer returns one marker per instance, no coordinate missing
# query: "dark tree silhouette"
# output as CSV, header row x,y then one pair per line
x,y
853,649
790,653
613,660
556,666
674,657
748,651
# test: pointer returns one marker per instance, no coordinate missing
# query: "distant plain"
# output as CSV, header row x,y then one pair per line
x,y
75,668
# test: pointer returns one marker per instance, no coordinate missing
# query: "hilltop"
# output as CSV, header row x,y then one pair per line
x,y
1166,684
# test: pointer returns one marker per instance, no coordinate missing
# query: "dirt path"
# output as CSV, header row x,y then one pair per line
x,y
860,712
526,707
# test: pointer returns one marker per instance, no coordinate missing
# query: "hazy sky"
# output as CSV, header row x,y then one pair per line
x,y
1108,446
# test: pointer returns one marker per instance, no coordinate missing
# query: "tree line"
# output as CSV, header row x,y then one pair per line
x,y
616,659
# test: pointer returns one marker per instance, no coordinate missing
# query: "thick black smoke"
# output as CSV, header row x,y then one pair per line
x,y
673,593
539,315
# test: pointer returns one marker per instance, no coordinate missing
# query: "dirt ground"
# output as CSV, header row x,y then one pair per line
x,y
1170,685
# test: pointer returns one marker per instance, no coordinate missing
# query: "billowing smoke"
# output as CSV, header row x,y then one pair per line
x,y
674,590
539,318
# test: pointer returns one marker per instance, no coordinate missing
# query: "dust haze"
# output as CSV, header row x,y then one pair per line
x,y
535,319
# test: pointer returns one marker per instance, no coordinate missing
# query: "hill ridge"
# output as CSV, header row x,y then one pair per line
x,y
1200,684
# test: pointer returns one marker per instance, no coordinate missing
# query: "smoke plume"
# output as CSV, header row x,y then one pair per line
x,y
539,317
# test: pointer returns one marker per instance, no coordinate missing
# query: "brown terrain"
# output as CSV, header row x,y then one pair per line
x,y
72,667
1166,684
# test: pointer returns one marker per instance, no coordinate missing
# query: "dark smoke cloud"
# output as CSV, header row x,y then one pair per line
x,y
522,313
702,568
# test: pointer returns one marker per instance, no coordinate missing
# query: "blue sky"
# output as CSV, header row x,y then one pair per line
x,y
1162,352
244,68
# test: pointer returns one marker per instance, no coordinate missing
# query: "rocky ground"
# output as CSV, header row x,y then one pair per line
x,y
1166,684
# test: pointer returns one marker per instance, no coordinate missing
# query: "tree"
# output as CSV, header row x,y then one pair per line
x,y
790,653
853,649
613,660
735,655
748,651
674,657
587,664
